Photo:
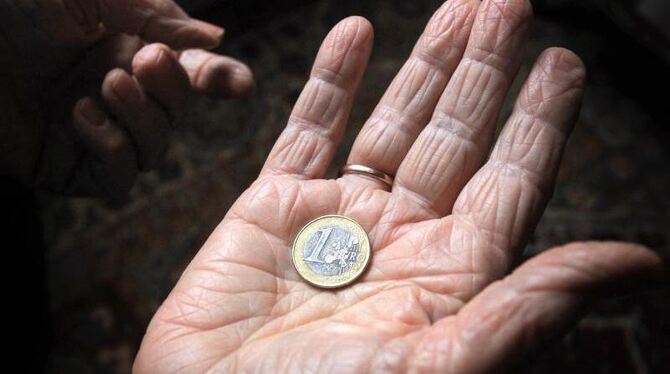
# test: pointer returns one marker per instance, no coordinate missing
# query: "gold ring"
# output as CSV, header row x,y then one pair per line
x,y
368,172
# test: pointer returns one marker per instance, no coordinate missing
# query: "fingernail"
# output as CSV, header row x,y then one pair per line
x,y
91,114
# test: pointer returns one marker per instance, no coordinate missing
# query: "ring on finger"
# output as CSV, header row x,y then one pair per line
x,y
368,172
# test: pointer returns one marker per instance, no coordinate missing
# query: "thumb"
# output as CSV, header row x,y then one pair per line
x,y
543,298
153,20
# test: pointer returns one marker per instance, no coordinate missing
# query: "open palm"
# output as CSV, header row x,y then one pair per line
x,y
450,226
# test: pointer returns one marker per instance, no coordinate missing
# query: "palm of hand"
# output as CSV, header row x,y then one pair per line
x,y
416,279
448,228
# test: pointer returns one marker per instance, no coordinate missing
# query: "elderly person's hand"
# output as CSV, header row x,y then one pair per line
x,y
86,101
437,296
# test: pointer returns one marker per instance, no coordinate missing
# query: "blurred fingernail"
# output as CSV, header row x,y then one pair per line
x,y
125,89
215,32
152,54
92,115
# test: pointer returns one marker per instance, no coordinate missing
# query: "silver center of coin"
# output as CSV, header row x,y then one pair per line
x,y
331,250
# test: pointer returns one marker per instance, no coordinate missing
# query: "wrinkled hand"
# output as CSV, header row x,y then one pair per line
x,y
86,102
435,297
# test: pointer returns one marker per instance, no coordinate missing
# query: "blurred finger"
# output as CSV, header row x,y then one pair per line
x,y
216,75
142,118
84,78
315,128
111,165
155,21
116,51
505,199
540,301
162,77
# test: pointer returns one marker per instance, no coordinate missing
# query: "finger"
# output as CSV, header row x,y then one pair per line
x,y
111,165
503,202
163,78
317,123
155,21
216,75
411,98
142,118
457,139
540,301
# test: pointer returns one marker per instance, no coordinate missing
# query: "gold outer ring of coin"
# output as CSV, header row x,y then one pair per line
x,y
369,172
336,281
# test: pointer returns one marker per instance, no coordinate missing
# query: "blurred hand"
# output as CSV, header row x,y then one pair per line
x,y
86,102
435,297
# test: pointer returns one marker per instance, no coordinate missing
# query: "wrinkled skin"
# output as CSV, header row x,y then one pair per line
x,y
435,297
86,102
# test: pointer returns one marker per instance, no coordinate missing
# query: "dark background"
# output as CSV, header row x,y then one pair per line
x,y
103,269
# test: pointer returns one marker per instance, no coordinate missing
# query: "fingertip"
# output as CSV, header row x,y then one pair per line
x,y
554,89
564,58
144,121
162,77
360,21
120,87
565,62
97,130
516,11
152,57
346,49
349,33
215,32
613,249
87,113
626,265
359,25
237,81
640,258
